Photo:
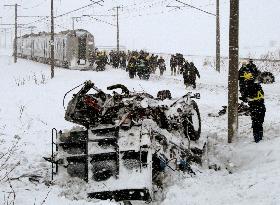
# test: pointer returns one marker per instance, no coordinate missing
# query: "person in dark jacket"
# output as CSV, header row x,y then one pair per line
x,y
180,62
251,91
123,59
101,61
116,60
255,97
189,74
248,74
142,65
173,64
131,66
161,65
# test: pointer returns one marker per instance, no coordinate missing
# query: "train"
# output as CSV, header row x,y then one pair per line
x,y
73,49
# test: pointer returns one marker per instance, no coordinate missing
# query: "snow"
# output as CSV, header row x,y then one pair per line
x,y
31,105
254,179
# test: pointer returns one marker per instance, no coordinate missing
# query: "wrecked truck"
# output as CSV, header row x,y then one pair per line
x,y
126,142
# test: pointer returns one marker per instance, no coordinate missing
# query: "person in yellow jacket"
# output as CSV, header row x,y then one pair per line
x,y
248,73
255,97
251,91
131,66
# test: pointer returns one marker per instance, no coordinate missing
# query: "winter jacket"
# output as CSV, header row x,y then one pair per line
x,y
190,72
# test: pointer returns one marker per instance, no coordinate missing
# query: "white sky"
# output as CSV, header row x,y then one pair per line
x,y
160,30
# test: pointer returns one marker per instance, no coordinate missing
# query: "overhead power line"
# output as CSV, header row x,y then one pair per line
x,y
161,12
35,6
33,16
69,12
135,12
136,4
147,6
100,15
99,20
39,20
10,24
194,7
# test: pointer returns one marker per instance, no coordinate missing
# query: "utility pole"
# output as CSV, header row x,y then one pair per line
x,y
5,37
233,70
15,38
31,28
5,34
0,35
218,37
73,22
20,31
118,30
6,29
52,41
15,41
11,40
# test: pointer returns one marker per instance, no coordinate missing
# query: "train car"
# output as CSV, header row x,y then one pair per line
x,y
72,49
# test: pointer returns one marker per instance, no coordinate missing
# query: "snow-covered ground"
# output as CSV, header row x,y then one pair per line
x,y
31,105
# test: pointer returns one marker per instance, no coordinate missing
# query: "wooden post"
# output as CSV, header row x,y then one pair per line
x,y
15,39
233,70
73,23
5,43
52,41
118,30
218,37
0,34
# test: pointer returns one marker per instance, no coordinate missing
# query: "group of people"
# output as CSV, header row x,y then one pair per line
x,y
179,65
117,59
252,93
177,62
143,64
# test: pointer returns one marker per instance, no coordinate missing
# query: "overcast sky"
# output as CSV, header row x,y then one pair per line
x,y
149,24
